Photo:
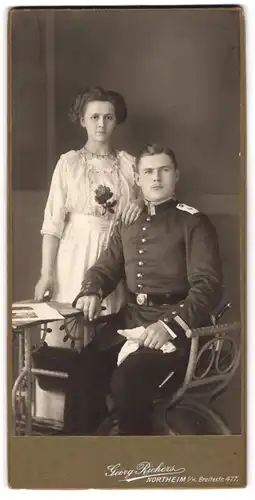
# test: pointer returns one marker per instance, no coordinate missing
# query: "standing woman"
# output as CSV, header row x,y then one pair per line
x,y
91,189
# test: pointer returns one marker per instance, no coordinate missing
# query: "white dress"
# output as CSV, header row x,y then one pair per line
x,y
83,226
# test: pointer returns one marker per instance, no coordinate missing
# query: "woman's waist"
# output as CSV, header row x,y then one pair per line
x,y
83,224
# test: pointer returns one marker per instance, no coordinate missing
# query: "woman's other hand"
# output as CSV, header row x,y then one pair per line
x,y
45,284
132,211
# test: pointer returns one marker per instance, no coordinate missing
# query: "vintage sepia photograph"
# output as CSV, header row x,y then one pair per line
x,y
127,186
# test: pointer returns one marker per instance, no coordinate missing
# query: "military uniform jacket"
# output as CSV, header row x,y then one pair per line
x,y
173,252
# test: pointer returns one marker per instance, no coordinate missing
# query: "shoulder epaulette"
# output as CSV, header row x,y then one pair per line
x,y
186,208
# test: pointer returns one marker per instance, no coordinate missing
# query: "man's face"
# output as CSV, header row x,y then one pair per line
x,y
157,177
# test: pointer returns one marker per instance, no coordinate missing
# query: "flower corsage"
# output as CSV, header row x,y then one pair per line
x,y
103,195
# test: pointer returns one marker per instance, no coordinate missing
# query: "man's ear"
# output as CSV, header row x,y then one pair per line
x,y
177,175
137,178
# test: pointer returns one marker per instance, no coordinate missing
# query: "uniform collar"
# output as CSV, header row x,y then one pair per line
x,y
152,209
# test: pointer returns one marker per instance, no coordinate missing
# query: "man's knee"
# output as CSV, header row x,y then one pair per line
x,y
126,386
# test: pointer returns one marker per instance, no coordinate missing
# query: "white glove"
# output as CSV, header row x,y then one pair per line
x,y
132,344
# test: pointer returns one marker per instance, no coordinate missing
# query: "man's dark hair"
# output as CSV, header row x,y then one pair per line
x,y
156,149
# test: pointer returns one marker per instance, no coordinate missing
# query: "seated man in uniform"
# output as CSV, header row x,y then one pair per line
x,y
170,260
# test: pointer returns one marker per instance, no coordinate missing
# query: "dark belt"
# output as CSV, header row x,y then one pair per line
x,y
151,299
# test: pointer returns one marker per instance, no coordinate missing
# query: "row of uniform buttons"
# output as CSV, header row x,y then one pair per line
x,y
141,251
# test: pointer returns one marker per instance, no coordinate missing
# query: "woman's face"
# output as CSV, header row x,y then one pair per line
x,y
99,120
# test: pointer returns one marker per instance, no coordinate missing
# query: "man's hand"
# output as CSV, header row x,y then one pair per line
x,y
90,305
154,336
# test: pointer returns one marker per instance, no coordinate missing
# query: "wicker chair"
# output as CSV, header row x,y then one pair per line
x,y
213,361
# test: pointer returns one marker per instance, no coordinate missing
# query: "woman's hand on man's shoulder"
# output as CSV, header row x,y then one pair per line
x,y
132,211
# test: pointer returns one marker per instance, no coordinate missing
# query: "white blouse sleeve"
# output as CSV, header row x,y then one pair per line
x,y
55,210
129,168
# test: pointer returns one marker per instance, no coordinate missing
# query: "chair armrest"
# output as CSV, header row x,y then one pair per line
x,y
219,311
210,375
213,330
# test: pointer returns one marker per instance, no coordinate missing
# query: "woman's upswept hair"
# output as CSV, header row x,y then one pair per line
x,y
98,94
156,149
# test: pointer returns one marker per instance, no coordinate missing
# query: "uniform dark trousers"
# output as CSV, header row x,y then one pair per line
x,y
132,385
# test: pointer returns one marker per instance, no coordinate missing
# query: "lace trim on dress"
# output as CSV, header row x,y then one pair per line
x,y
109,166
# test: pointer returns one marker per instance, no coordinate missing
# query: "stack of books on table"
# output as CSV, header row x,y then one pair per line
x,y
25,313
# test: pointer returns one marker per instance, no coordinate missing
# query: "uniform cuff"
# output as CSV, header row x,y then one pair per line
x,y
178,329
185,327
89,287
171,332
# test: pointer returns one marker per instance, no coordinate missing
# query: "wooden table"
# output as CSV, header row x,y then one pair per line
x,y
22,392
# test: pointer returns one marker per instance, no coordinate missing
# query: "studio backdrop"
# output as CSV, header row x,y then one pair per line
x,y
179,71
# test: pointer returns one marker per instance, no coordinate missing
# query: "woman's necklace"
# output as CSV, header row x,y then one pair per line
x,y
96,155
